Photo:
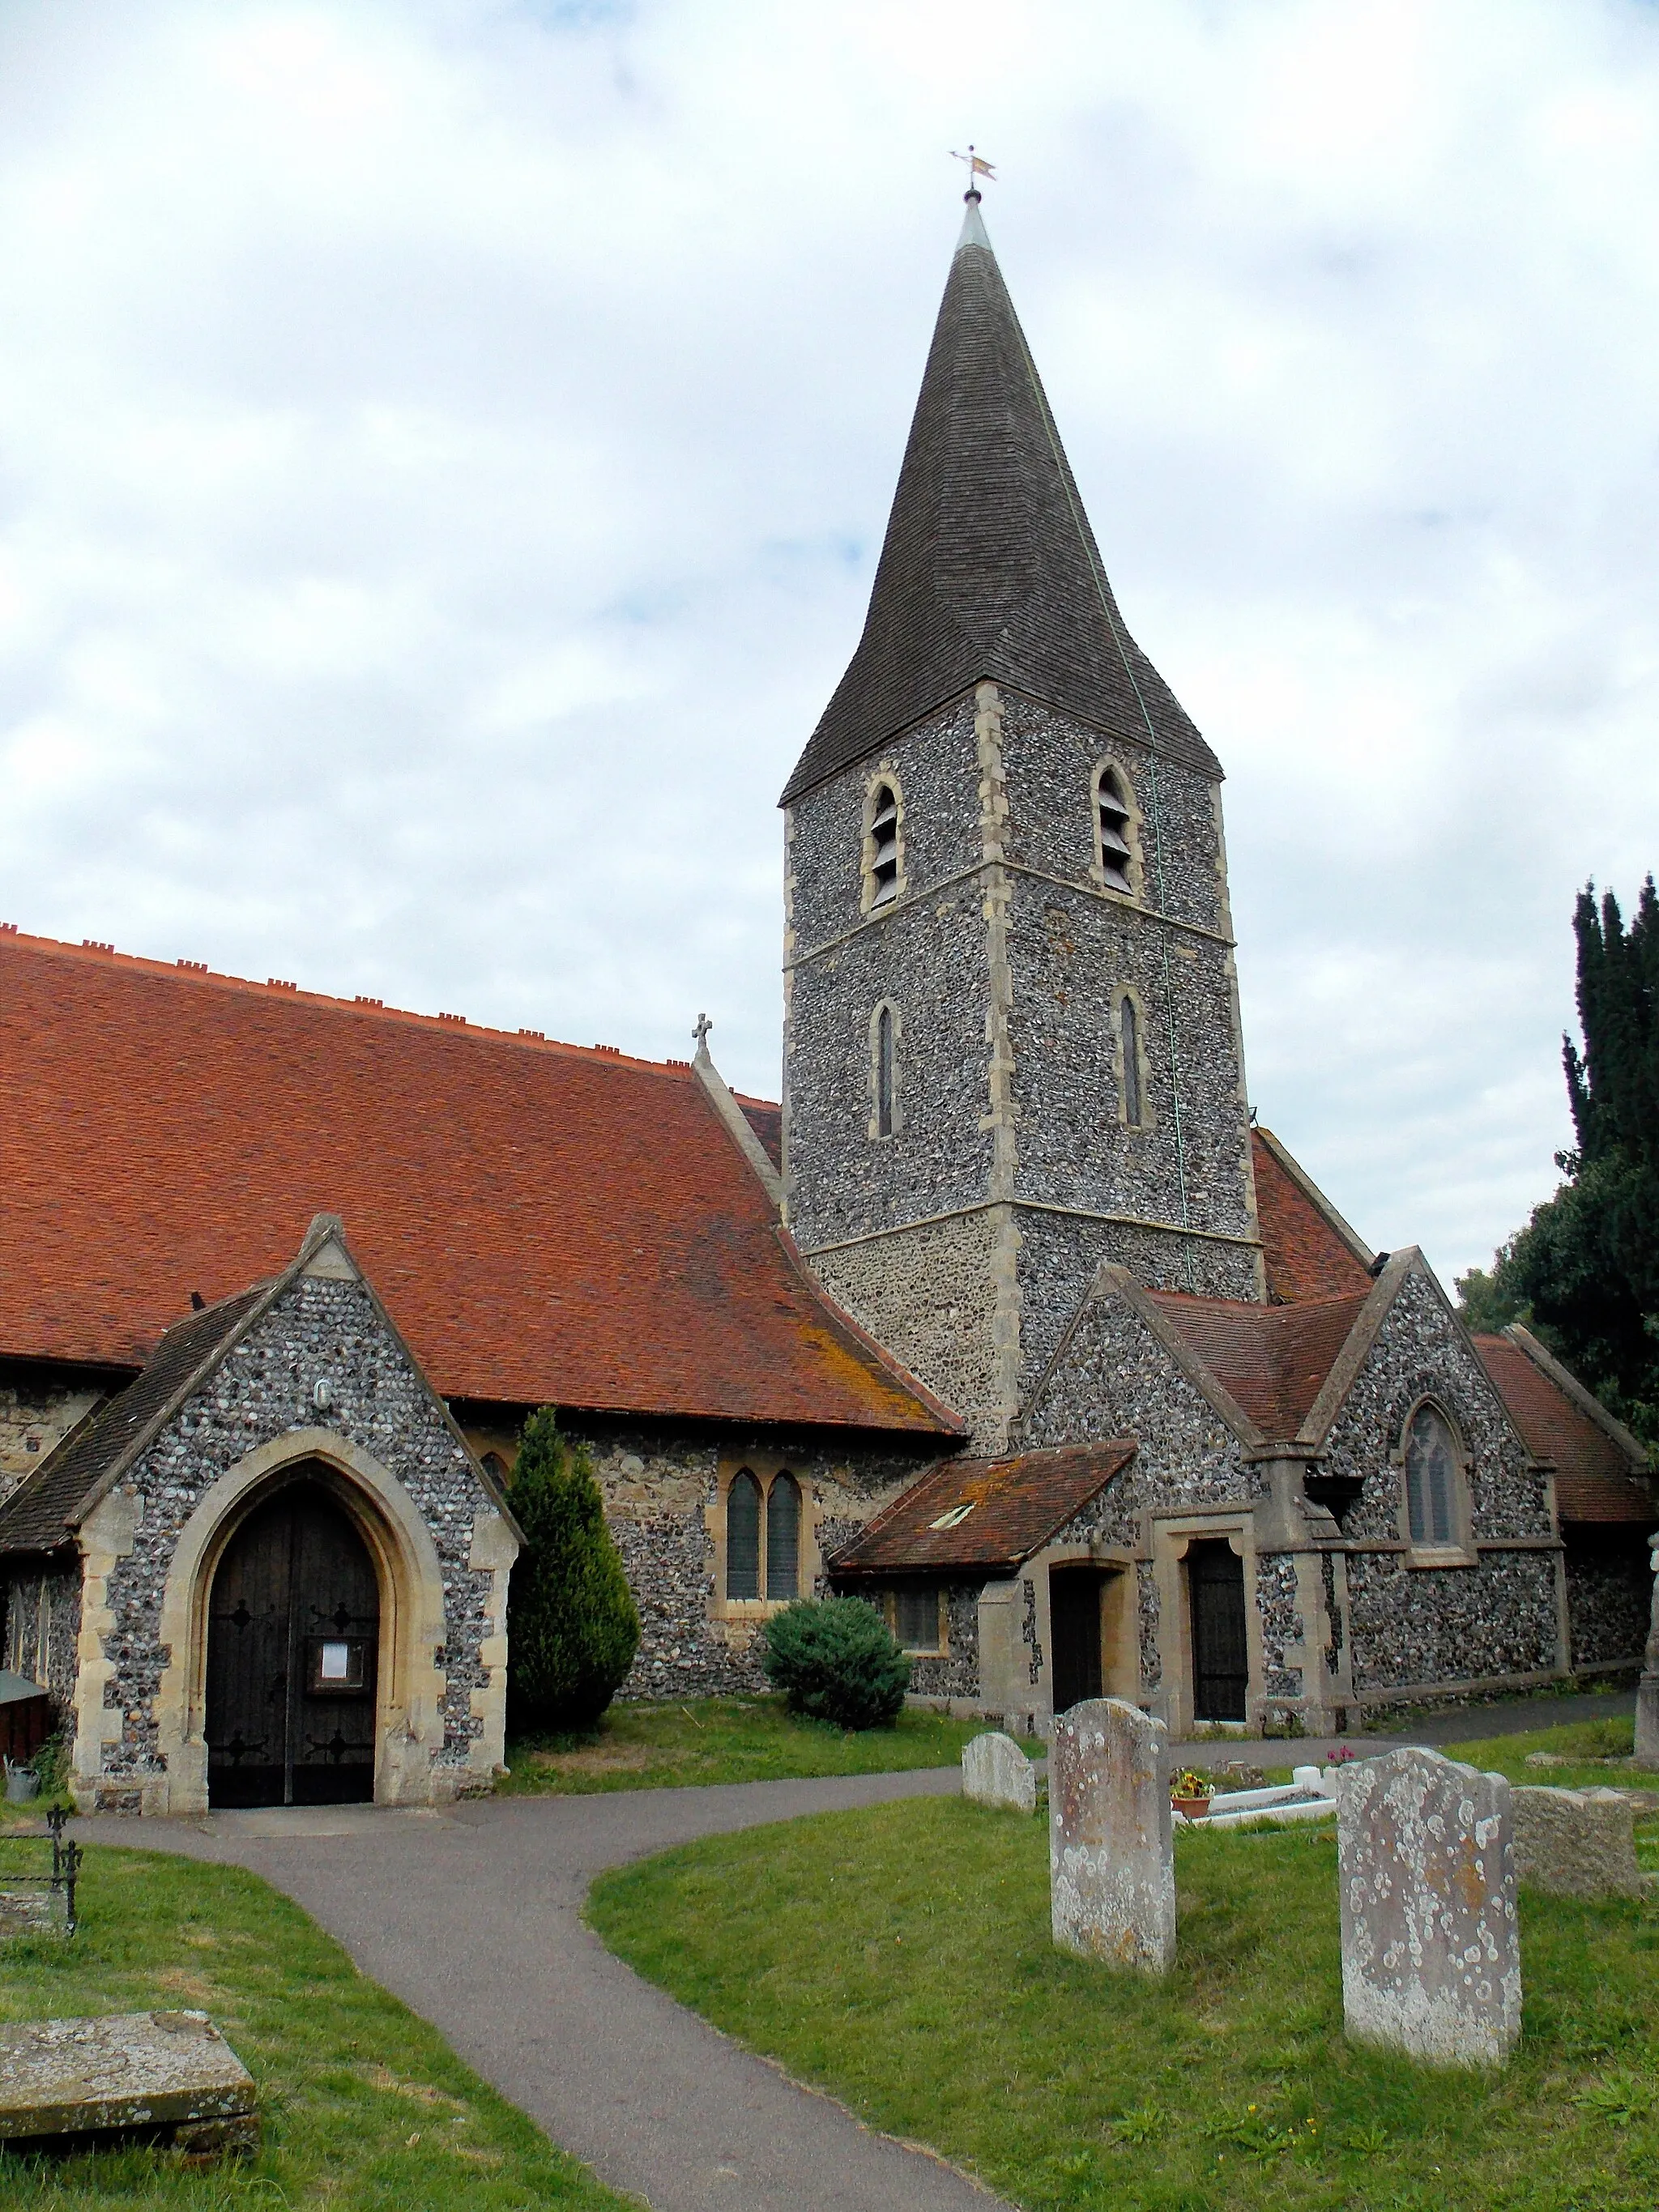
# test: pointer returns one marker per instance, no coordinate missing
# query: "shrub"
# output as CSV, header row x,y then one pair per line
x,y
572,1626
835,1660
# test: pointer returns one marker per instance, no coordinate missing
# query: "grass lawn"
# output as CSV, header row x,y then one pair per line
x,y
901,1958
365,2105
727,1739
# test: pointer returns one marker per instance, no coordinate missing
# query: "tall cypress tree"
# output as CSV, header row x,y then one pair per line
x,y
1585,1269
573,1628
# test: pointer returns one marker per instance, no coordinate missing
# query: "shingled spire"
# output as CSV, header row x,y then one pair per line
x,y
989,569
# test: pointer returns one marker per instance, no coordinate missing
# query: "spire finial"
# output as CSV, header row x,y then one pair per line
x,y
978,167
701,1033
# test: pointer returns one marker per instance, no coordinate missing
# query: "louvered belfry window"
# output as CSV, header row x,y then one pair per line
x,y
883,840
743,1535
1112,810
783,1538
1431,1475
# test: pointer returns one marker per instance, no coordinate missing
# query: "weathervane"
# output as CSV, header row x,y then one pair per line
x,y
978,167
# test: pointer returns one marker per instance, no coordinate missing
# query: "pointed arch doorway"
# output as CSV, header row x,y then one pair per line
x,y
294,1622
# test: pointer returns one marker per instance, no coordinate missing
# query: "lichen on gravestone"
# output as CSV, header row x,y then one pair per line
x,y
124,2070
1111,1852
1431,1946
996,1771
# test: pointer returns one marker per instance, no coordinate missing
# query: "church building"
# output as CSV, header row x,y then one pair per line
x,y
1010,1320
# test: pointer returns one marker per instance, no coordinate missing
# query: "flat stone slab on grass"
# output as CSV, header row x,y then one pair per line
x,y
996,1771
1577,1843
1431,1946
125,2071
1111,1856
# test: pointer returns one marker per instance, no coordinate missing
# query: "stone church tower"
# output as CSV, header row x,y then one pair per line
x,y
1012,1043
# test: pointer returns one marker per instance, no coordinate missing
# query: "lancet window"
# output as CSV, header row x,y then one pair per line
x,y
763,1536
1115,854
883,858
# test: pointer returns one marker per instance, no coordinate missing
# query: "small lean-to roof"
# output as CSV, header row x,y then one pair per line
x,y
545,1223
1598,1480
1271,1361
1016,1504
989,569
1308,1249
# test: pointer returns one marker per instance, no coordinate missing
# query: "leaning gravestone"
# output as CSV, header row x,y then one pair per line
x,y
1647,1690
1111,1860
1577,1843
996,1771
167,2071
1431,1951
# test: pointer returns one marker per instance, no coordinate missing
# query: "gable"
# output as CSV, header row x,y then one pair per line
x,y
547,1224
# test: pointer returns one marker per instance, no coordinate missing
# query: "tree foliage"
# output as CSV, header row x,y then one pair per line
x,y
572,1626
1584,1271
834,1659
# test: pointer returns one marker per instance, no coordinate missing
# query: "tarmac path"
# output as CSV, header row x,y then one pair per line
x,y
473,1915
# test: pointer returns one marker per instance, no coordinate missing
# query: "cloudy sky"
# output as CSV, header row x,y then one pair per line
x,y
446,443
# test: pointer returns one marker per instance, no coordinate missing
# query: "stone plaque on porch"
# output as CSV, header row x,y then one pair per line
x,y
1111,1856
124,2070
1430,1948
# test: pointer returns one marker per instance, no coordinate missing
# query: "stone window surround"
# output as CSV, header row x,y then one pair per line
x,y
1143,1067
1108,764
940,1647
1461,1551
765,1466
1172,1536
885,778
889,1006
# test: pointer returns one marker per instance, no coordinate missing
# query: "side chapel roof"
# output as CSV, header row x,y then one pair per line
x,y
989,569
1016,1505
1600,1470
546,1224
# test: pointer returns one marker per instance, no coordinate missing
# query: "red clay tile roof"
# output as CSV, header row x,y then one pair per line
x,y
1306,1255
1018,1504
543,1223
1272,1361
1594,1482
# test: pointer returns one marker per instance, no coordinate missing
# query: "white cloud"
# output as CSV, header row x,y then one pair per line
x,y
447,447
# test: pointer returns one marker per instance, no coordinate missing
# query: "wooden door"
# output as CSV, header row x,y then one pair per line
x,y
1074,1629
293,1645
1221,1651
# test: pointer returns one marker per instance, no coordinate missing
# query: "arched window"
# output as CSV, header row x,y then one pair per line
x,y
882,871
1114,835
495,1467
783,1538
885,1071
1431,1479
1128,1044
743,1536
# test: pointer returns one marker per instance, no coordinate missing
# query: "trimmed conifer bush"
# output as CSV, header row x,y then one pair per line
x,y
835,1660
572,1626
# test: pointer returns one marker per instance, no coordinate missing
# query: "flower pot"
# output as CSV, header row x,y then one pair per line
x,y
1195,1808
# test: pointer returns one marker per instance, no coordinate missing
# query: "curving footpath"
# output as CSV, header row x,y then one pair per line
x,y
473,1915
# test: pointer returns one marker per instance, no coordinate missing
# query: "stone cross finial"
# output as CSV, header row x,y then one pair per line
x,y
701,1032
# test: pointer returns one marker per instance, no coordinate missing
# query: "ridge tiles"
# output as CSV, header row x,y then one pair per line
x,y
989,569
545,1225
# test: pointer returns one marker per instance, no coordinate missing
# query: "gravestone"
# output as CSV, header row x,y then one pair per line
x,y
170,2071
1430,1950
1577,1843
996,1771
1111,1858
1647,1691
